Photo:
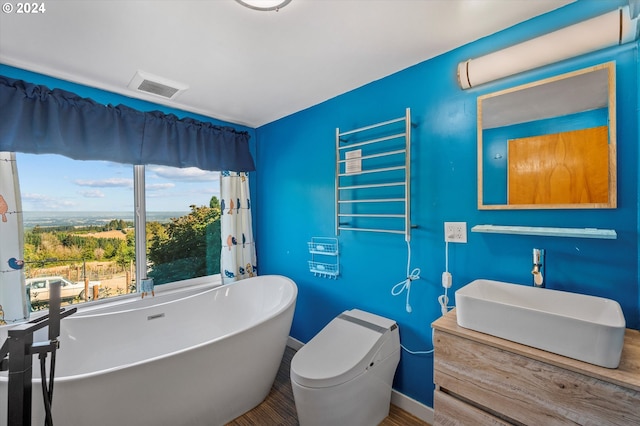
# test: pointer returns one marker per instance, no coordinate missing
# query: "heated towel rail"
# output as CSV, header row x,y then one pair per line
x,y
373,178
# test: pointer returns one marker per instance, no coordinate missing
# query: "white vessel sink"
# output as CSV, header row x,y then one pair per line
x,y
586,328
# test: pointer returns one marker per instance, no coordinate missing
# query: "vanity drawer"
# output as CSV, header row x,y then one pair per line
x,y
450,411
526,390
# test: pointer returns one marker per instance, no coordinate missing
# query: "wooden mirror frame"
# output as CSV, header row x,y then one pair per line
x,y
612,172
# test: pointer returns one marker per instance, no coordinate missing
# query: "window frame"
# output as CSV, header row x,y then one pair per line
x,y
140,222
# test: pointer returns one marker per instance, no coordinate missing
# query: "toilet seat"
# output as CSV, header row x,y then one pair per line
x,y
343,350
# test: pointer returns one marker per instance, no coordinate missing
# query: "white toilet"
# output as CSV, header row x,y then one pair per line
x,y
343,376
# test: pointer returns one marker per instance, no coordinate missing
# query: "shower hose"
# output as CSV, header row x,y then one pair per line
x,y
47,391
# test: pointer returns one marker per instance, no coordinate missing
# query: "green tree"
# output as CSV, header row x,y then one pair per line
x,y
155,229
181,252
214,203
88,252
34,239
125,252
109,250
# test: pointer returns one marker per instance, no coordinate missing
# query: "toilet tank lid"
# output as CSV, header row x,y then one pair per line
x,y
342,350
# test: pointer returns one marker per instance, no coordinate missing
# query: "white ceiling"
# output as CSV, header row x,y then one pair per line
x,y
241,65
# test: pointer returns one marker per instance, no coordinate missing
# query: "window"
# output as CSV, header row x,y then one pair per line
x,y
188,246
79,225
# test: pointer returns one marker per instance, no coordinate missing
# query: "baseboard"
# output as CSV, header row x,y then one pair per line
x,y
294,343
408,404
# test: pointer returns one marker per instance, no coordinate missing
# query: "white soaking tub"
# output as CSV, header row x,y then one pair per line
x,y
185,359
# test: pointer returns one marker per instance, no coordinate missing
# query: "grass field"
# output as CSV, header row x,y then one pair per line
x,y
106,234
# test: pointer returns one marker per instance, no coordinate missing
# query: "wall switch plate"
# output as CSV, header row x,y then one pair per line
x,y
455,232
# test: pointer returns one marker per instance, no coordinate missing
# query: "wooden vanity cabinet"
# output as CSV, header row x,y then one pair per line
x,y
485,380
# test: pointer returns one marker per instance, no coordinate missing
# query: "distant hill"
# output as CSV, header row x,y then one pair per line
x,y
79,218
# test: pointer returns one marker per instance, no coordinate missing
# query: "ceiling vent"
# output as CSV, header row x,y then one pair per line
x,y
157,86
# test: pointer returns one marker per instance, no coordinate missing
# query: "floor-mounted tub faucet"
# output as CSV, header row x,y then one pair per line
x,y
538,268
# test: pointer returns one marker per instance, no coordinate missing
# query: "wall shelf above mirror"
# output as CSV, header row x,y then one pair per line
x,y
550,144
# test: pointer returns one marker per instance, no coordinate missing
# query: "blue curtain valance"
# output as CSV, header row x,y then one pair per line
x,y
38,120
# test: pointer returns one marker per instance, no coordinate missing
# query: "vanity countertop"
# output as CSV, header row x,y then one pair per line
x,y
626,375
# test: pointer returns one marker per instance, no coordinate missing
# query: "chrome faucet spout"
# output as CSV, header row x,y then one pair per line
x,y
538,268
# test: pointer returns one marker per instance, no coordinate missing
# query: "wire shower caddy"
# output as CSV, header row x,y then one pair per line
x,y
324,246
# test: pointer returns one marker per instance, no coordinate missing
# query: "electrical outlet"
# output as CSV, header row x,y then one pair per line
x,y
455,232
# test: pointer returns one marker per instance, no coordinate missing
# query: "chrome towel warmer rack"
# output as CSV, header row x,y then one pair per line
x,y
373,178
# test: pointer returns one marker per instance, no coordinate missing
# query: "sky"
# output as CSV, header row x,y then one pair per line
x,y
56,183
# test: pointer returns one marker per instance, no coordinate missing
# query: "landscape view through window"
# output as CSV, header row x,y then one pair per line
x,y
79,226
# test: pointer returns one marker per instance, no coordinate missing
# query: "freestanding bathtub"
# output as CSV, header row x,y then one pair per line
x,y
186,359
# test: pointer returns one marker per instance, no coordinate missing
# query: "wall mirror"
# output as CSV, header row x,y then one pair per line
x,y
549,144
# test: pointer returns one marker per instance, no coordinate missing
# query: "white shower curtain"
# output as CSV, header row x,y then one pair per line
x,y
13,299
238,257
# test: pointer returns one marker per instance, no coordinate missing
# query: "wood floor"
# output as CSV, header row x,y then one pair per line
x,y
278,409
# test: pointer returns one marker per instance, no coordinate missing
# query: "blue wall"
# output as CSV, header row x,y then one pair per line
x,y
295,199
